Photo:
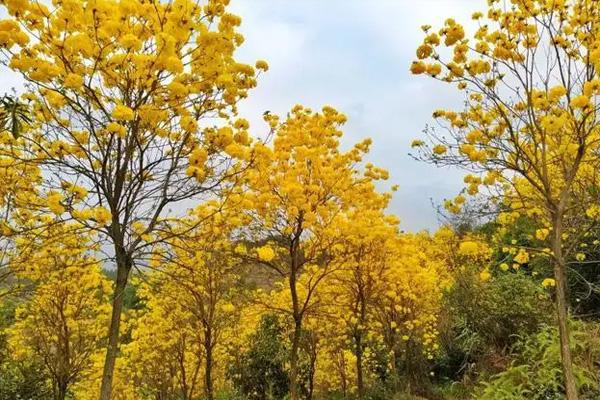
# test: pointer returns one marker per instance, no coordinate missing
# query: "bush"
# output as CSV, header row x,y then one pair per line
x,y
260,372
536,372
484,319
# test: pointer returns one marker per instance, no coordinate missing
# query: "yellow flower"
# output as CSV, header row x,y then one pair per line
x,y
522,257
228,308
138,227
122,113
198,173
434,69
102,216
593,211
198,157
173,65
439,149
177,89
73,81
54,201
188,124
548,282
10,34
418,67
424,51
542,234
485,275
241,123
580,101
557,92
454,32
79,193
262,65
265,253
592,87
504,267
552,124
116,128
131,42
468,248
595,56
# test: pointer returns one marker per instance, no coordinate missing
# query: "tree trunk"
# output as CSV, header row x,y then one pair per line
x,y
359,365
342,371
296,313
560,277
313,367
563,329
294,387
61,390
395,374
358,338
208,381
123,268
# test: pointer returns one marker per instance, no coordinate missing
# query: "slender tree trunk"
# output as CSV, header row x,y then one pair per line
x,y
123,269
296,313
311,381
395,372
358,338
313,367
342,371
61,390
359,365
208,381
560,277
294,386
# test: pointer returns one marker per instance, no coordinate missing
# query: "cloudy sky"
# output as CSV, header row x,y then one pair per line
x,y
353,55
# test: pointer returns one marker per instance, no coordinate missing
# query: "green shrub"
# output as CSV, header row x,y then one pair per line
x,y
536,372
260,372
484,319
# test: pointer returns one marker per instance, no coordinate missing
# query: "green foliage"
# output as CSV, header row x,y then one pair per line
x,y
260,372
13,115
23,381
484,318
536,373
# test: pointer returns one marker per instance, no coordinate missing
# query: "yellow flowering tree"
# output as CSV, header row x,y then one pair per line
x,y
190,299
118,91
407,309
530,126
297,188
378,309
364,252
62,324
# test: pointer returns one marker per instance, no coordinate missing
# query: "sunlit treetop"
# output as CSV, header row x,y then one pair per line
x,y
123,53
119,93
529,132
306,175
